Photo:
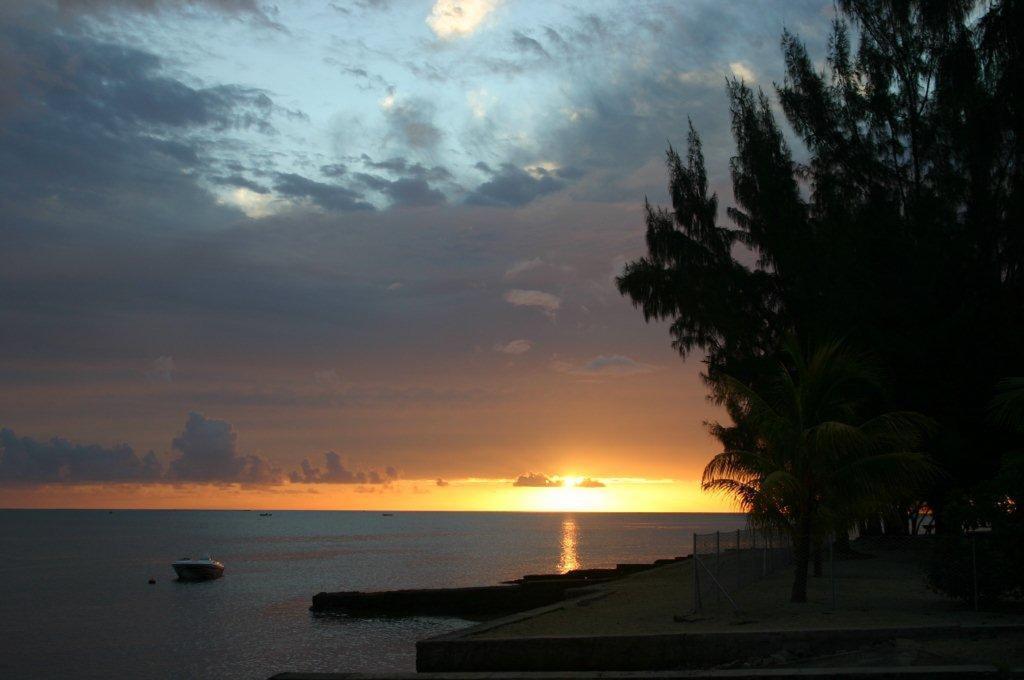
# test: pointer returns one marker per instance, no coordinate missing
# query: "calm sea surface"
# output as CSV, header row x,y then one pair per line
x,y
75,602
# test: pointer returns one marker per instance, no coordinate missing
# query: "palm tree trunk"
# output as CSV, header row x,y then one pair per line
x,y
843,549
801,559
843,542
871,526
896,521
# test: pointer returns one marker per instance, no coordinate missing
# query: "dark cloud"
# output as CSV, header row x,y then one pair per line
x,y
523,42
327,196
335,472
536,479
400,166
585,37
555,38
412,122
413,192
405,192
607,365
589,483
620,123
120,88
333,170
240,182
239,8
570,173
373,4
409,184
209,454
512,187
103,135
367,81
227,6
24,460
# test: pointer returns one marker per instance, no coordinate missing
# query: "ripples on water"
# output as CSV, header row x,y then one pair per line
x,y
74,596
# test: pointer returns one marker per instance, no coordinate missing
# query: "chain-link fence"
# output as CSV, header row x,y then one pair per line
x,y
979,568
726,561
748,570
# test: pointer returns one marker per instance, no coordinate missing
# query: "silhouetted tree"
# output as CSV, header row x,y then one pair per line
x,y
903,231
811,461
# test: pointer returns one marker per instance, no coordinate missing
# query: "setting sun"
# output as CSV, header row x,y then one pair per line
x,y
569,497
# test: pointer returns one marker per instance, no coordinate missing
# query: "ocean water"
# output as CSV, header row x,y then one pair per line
x,y
75,599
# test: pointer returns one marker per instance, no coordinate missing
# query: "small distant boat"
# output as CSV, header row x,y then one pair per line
x,y
266,514
387,514
203,569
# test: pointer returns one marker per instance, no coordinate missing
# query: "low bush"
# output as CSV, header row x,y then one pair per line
x,y
994,556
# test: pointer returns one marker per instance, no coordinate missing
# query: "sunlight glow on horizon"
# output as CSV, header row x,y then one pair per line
x,y
474,494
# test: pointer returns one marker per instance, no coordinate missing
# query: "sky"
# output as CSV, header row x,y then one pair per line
x,y
354,254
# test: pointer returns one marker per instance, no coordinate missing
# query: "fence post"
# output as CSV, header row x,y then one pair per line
x,y
753,545
718,561
696,576
974,568
764,558
739,564
832,568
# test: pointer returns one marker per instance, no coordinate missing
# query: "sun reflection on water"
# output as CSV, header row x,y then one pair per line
x,y
569,559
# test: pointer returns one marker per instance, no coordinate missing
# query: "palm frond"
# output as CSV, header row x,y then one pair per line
x,y
1007,408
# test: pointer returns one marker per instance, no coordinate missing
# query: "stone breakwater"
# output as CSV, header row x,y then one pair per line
x,y
529,592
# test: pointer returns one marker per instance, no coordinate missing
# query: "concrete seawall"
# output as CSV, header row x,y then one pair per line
x,y
479,602
526,593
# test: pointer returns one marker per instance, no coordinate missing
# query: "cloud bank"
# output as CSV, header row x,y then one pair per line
x,y
335,472
536,479
208,454
24,460
606,365
588,483
204,452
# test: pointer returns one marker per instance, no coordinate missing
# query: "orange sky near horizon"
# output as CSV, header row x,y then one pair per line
x,y
619,495
641,434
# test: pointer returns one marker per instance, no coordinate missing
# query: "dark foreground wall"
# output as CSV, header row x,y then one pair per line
x,y
884,673
456,652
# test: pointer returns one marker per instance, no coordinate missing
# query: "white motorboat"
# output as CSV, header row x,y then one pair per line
x,y
189,569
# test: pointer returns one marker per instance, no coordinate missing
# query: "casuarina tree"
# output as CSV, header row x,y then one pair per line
x,y
901,231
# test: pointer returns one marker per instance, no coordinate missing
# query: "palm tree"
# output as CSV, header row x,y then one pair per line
x,y
1006,409
802,458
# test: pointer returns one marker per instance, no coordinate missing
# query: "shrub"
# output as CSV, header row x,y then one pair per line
x,y
997,558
